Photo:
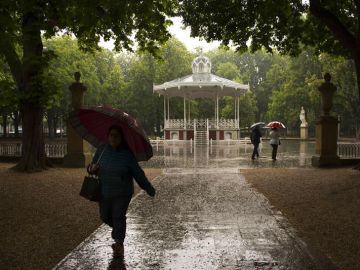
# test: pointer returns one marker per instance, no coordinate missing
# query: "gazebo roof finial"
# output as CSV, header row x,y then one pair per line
x,y
201,64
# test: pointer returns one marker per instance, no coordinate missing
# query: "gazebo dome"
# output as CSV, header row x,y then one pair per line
x,y
201,65
201,83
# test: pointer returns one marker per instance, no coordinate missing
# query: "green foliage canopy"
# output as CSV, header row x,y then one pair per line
x,y
283,25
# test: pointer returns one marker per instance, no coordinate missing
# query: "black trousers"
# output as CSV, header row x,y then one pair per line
x,y
255,151
113,213
274,151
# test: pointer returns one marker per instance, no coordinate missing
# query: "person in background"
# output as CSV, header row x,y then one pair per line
x,y
274,142
255,140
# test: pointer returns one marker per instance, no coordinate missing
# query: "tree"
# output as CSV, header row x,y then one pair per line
x,y
8,99
145,71
248,108
252,70
284,25
22,24
228,70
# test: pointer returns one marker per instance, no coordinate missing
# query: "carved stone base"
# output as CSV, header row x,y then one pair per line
x,y
304,133
325,161
77,160
78,151
326,142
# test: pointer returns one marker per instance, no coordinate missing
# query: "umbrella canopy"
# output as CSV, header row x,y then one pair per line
x,y
275,124
93,123
257,124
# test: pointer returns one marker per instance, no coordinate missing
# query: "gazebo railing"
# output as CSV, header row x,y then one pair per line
x,y
202,123
228,123
174,123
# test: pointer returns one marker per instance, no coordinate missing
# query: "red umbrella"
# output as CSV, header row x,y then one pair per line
x,y
93,123
275,124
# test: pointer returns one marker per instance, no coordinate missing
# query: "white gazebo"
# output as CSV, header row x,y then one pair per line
x,y
201,84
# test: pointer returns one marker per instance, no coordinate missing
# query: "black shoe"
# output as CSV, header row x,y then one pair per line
x,y
118,250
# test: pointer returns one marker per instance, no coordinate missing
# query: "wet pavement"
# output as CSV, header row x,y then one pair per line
x,y
203,217
291,154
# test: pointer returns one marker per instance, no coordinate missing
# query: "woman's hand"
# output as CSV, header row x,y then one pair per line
x,y
93,168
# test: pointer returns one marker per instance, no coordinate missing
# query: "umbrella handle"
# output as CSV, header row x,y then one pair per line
x,y
92,171
88,169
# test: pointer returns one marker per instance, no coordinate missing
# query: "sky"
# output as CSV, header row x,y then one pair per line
x,y
182,34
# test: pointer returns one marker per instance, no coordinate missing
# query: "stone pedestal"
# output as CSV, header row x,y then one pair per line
x,y
326,142
78,151
302,153
304,132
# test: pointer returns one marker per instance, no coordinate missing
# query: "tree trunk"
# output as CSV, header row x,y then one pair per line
x,y
56,121
357,69
16,122
357,126
31,86
33,147
50,120
4,124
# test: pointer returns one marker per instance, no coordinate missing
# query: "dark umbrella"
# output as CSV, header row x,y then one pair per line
x,y
257,124
93,123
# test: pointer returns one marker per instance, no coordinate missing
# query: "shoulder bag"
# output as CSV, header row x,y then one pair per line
x,y
91,188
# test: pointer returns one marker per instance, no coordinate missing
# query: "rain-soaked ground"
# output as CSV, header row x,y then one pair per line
x,y
291,153
205,216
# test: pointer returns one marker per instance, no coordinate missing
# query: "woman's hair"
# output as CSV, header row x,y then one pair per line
x,y
123,143
117,128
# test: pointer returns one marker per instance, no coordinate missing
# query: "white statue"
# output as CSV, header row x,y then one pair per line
x,y
302,118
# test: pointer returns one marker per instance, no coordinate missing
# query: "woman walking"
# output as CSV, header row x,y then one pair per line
x,y
116,169
274,142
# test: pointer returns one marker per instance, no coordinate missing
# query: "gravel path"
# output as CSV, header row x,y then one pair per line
x,y
322,204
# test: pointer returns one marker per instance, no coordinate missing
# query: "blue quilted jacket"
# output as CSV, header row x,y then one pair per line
x,y
117,170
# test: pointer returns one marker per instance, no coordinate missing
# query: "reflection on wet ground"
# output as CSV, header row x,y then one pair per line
x,y
291,153
204,216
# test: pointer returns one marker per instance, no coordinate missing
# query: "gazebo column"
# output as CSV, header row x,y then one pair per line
x,y
217,111
184,112
238,112
235,108
215,117
165,111
168,107
189,109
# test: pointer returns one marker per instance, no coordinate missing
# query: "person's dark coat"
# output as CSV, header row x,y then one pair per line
x,y
255,136
117,170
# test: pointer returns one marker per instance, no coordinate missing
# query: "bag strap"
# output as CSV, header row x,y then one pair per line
x,y
88,167
100,156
